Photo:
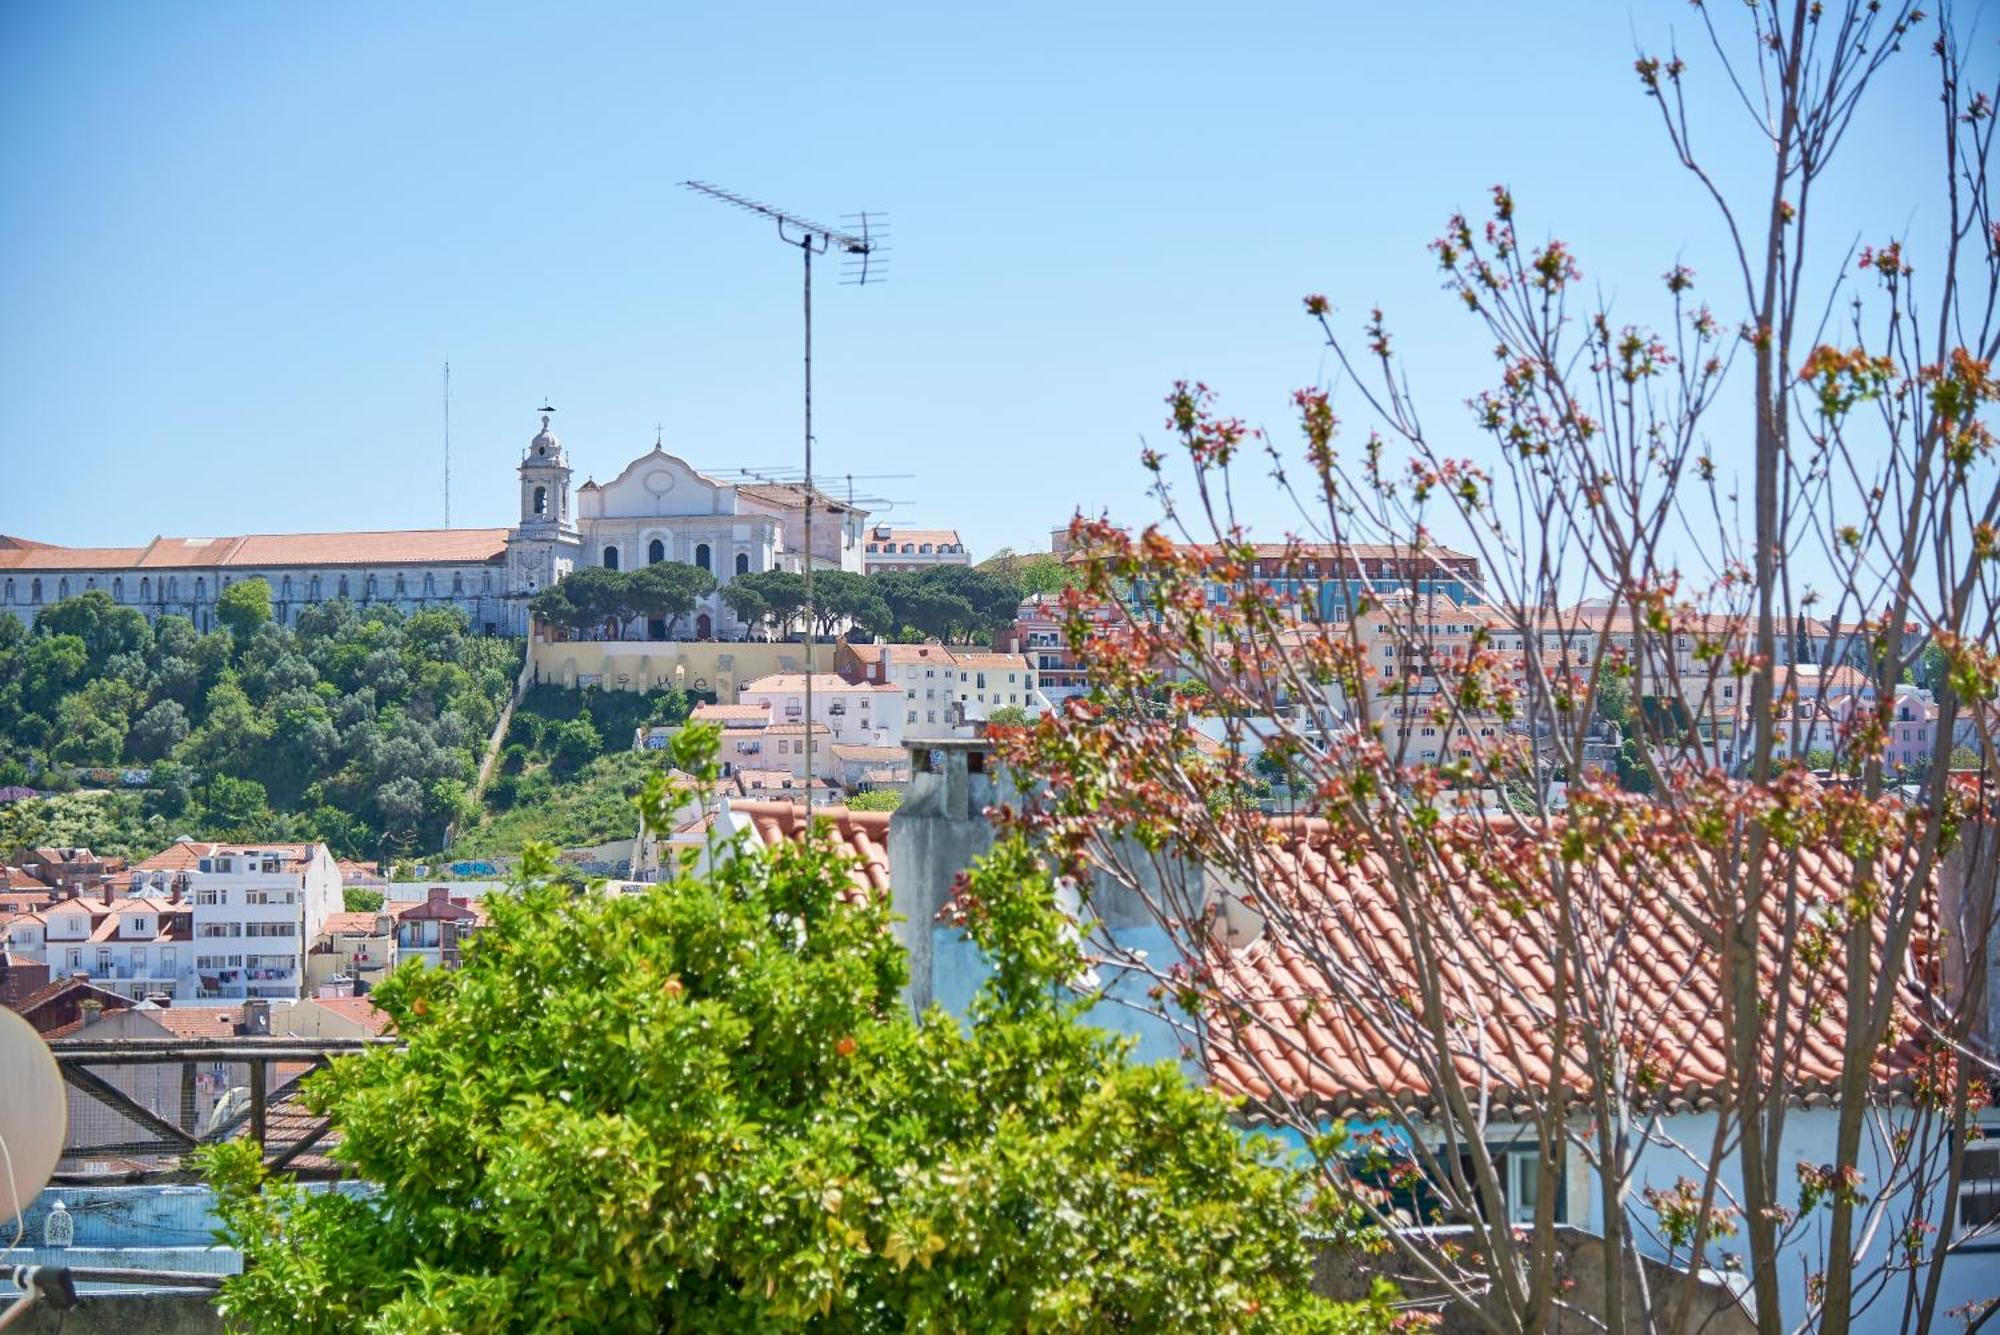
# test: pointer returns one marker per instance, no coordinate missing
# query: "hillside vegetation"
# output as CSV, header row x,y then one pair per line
x,y
359,726
568,773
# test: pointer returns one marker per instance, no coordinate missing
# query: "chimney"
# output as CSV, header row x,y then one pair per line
x,y
438,896
935,835
256,1018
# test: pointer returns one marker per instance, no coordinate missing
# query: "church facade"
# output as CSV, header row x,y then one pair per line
x,y
657,508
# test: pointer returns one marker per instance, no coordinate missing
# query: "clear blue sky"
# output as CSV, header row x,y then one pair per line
x,y
238,242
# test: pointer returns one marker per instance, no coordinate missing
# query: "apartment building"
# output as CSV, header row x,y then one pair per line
x,y
438,928
890,548
256,910
859,713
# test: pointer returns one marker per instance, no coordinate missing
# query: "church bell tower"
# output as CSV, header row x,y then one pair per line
x,y
544,546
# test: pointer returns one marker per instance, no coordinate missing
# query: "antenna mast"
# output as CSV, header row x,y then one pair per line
x,y
447,444
862,246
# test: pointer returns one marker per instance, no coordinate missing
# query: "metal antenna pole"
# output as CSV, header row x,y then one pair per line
x,y
863,246
806,249
447,444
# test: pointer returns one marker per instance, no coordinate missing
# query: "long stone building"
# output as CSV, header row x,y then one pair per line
x,y
657,508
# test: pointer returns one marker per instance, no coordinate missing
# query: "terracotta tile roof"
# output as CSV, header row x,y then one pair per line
x,y
455,546
1316,1044
749,779
935,536
893,755
358,1010
736,716
197,1021
793,498
350,924
796,681
796,730
863,835
186,856
930,655
988,662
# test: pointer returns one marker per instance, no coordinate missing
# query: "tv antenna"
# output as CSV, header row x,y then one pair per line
x,y
861,244
447,444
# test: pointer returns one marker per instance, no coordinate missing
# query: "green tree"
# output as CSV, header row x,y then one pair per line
x,y
243,607
360,899
876,799
1008,716
773,598
706,1107
669,590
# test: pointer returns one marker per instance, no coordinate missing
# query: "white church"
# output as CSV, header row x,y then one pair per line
x,y
658,508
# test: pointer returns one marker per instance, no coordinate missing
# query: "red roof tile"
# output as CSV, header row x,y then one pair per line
x,y
1312,1040
455,546
863,835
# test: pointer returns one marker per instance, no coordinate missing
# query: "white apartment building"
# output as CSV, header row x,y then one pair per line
x,y
257,910
889,548
136,946
856,713
985,682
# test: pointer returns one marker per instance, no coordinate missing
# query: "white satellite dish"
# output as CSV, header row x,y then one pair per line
x,y
34,1115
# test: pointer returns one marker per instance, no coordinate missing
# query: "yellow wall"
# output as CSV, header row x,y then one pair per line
x,y
638,665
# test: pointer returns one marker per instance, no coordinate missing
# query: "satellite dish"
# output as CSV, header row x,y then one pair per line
x,y
34,1115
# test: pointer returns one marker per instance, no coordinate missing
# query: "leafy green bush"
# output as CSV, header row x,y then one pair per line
x,y
706,1107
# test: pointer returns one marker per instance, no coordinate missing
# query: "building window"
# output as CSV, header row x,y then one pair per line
x,y
742,563
457,582
10,590
35,592
343,586
656,552
541,500
401,588
1979,1188
610,558
118,590
62,588
701,556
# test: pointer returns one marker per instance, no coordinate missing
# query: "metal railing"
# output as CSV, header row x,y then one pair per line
x,y
140,1108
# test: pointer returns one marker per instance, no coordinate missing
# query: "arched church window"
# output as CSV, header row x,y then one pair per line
x,y
368,588
486,581
742,563
35,592
541,500
146,589
925,548
285,589
10,590
458,581
401,587
173,587
200,591
90,581
430,584
910,547
343,586
610,558
656,552
62,588
701,556
118,589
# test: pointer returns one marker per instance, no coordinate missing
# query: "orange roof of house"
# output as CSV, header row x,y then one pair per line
x,y
899,536
732,715
350,924
863,835
453,546
894,755
974,659
1311,1040
359,1010
197,1021
796,681
187,855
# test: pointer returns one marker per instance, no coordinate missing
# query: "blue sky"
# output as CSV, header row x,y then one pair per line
x,y
238,242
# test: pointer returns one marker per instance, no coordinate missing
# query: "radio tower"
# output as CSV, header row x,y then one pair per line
x,y
861,246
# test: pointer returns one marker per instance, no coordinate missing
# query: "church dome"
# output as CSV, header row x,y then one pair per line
x,y
545,445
